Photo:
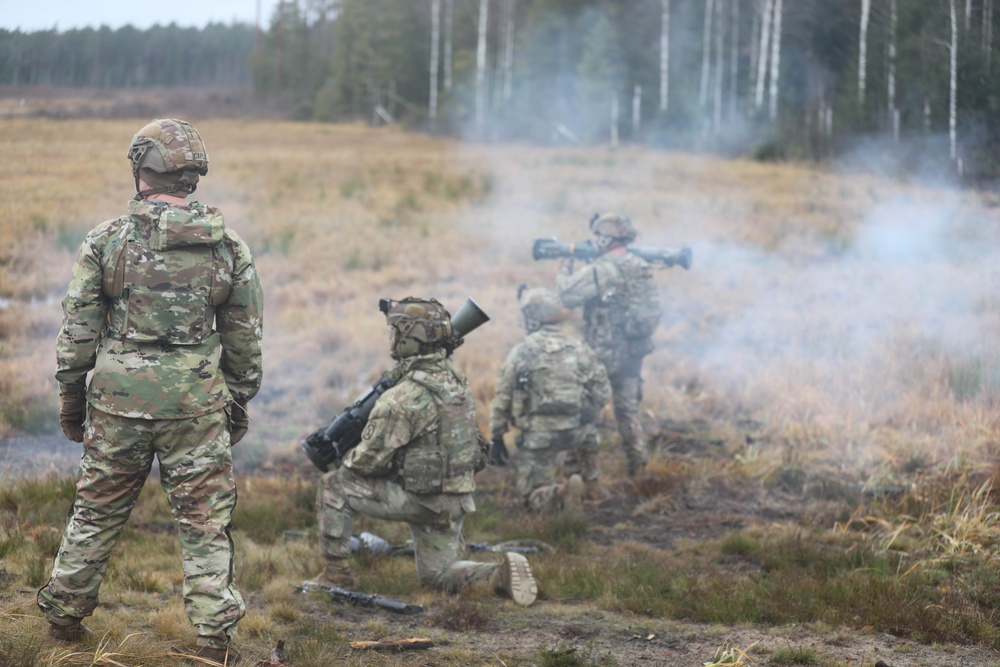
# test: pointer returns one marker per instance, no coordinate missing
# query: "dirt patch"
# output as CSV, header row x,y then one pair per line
x,y
514,635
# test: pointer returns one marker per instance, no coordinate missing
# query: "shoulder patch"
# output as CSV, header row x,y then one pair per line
x,y
369,431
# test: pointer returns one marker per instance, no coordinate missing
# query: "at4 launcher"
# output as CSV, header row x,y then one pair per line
x,y
330,444
587,251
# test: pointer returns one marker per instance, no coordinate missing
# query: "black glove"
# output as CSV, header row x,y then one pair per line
x,y
72,412
498,452
239,421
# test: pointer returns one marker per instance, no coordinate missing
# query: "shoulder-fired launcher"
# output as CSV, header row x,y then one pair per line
x,y
330,444
587,251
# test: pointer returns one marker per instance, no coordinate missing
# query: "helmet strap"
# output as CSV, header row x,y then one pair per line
x,y
606,244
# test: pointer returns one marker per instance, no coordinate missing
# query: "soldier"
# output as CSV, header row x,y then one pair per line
x,y
416,462
165,307
621,308
551,387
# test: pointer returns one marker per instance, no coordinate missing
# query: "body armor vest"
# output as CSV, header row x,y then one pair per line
x,y
166,290
548,395
443,460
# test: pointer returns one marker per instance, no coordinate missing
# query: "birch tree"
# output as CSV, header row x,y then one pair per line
x,y
706,53
435,41
720,35
664,54
891,71
508,49
481,67
734,57
987,35
866,7
754,51
953,84
775,59
636,111
449,13
765,38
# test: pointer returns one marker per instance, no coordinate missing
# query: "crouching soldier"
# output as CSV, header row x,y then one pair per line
x,y
415,463
551,387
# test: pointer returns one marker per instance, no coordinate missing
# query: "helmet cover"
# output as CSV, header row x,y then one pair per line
x,y
614,226
171,155
419,326
540,306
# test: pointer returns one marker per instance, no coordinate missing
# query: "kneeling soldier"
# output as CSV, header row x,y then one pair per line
x,y
552,387
416,462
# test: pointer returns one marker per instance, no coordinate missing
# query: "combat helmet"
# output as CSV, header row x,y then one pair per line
x,y
611,227
169,155
417,326
540,306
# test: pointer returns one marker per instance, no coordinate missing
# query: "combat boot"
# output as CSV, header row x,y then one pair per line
x,y
70,634
513,579
572,495
223,656
337,572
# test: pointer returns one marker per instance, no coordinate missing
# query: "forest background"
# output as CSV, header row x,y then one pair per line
x,y
918,79
822,402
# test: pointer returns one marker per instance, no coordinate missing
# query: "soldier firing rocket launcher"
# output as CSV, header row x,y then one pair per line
x,y
587,251
330,444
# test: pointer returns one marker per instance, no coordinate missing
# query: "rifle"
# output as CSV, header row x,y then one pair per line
x,y
406,549
587,251
330,444
360,599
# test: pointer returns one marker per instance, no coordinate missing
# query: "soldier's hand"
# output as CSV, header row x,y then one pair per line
x,y
498,452
239,422
72,413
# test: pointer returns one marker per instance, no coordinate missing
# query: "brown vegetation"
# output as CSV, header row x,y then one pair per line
x,y
821,399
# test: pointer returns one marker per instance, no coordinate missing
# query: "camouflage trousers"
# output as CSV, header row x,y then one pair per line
x,y
435,523
626,390
542,456
196,472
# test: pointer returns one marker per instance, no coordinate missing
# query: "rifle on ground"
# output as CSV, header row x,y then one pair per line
x,y
504,548
361,599
373,544
330,444
587,251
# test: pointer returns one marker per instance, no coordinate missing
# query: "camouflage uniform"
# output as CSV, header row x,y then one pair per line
x,y
551,387
601,288
415,463
139,312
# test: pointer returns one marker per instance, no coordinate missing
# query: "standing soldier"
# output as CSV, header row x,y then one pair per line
x,y
416,462
165,307
551,387
621,308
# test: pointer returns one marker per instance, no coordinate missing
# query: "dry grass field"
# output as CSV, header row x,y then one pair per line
x,y
822,400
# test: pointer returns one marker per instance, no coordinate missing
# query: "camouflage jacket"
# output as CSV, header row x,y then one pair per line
x,y
144,294
550,381
422,432
606,289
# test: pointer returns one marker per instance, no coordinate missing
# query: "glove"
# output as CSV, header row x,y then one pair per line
x,y
239,421
498,452
72,412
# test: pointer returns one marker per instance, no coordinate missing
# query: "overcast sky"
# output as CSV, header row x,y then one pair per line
x,y
30,15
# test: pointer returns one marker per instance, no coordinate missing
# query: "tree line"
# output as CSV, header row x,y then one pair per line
x,y
913,81
918,79
218,54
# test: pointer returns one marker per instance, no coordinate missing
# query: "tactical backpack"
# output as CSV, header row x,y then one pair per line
x,y
551,387
641,300
146,306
